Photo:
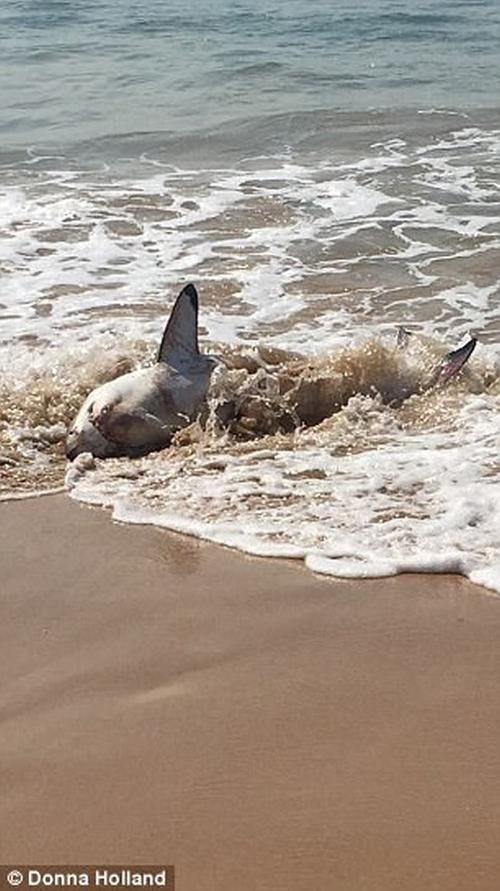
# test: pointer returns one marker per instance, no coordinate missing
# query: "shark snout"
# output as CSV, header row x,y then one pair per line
x,y
71,452
88,439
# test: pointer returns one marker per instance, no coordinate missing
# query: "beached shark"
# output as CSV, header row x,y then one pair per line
x,y
139,412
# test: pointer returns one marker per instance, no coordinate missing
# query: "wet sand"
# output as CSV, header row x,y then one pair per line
x,y
167,701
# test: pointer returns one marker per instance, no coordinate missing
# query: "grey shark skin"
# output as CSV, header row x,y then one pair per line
x,y
139,412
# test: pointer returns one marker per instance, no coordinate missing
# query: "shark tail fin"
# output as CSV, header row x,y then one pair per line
x,y
454,361
179,344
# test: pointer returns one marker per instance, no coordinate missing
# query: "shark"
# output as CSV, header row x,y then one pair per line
x,y
140,412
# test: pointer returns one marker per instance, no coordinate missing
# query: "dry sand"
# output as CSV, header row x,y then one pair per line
x,y
167,701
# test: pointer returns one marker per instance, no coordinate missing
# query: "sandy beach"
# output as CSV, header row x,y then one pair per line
x,y
168,701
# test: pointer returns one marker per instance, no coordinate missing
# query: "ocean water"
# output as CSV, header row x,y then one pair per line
x,y
75,70
323,176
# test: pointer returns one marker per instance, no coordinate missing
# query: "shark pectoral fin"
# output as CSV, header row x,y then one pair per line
x,y
130,428
179,345
454,361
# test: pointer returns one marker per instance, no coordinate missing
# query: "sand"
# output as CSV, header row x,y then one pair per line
x,y
168,701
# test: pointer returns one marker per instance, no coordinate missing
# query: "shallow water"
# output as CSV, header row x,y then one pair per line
x,y
319,196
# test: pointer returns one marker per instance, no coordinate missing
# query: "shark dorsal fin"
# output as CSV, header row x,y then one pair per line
x,y
179,344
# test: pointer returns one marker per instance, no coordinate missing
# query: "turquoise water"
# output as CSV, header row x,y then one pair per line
x,y
74,70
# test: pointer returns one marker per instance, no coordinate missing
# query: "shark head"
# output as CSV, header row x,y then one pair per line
x,y
84,436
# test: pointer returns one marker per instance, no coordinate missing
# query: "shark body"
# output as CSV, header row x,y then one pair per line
x,y
139,412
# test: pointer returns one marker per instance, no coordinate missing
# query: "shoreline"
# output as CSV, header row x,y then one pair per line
x,y
298,561
168,701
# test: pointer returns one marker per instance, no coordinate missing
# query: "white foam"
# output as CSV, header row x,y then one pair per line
x,y
405,502
310,256
346,199
84,254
